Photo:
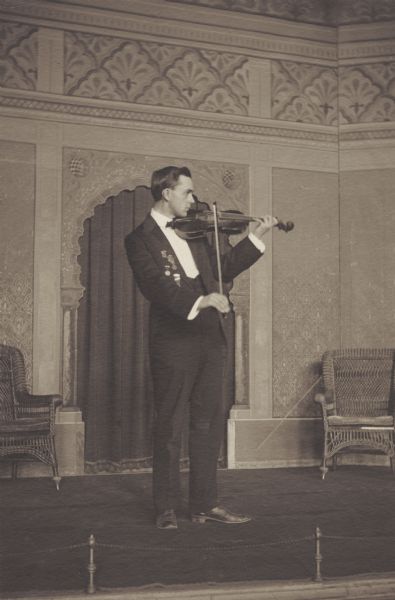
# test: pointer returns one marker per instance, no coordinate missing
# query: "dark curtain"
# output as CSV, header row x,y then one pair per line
x,y
114,389
113,383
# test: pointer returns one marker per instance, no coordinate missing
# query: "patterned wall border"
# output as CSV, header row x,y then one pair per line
x,y
269,41
266,37
230,125
367,134
321,12
355,52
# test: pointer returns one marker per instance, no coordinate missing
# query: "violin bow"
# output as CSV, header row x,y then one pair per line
x,y
216,235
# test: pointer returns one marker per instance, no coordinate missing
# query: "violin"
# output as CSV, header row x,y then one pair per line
x,y
198,223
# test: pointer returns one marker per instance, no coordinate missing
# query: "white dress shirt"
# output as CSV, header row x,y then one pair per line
x,y
180,246
184,254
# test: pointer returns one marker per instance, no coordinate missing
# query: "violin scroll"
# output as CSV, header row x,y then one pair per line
x,y
288,226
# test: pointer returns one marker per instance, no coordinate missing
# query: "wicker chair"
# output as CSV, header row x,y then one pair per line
x,y
358,404
27,422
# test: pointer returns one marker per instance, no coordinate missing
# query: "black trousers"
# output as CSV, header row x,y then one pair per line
x,y
188,370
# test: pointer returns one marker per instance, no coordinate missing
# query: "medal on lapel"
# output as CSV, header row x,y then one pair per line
x,y
170,267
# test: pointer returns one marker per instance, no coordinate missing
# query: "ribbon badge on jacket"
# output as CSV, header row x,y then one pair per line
x,y
170,267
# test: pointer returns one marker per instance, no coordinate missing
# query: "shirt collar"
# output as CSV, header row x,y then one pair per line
x,y
160,219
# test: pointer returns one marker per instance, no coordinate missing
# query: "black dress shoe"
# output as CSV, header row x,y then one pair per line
x,y
167,520
220,514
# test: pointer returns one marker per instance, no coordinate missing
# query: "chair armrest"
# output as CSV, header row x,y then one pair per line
x,y
37,404
45,399
326,402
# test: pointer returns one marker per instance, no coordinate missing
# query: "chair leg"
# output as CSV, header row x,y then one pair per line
x,y
392,464
54,460
334,462
56,476
323,467
14,470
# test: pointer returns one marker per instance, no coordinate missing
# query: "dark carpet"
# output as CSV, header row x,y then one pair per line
x,y
45,533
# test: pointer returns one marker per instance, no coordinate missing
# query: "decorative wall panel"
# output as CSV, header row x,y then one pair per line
x,y
364,11
18,56
16,247
159,74
304,93
306,287
367,93
368,257
321,12
308,11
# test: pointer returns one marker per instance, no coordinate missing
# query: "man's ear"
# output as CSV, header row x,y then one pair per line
x,y
165,194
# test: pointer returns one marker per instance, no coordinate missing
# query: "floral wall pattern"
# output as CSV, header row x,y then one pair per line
x,y
306,287
304,93
149,73
367,257
320,12
160,74
18,56
367,93
16,247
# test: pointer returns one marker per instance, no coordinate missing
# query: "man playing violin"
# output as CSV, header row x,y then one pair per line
x,y
187,344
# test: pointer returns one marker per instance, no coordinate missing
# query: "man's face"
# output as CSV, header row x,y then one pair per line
x,y
180,197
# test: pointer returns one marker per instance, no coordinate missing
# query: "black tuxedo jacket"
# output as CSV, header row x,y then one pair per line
x,y
164,283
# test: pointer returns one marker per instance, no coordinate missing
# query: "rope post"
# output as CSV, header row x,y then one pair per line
x,y
91,566
318,555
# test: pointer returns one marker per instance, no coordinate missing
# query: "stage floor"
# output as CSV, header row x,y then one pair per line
x,y
45,533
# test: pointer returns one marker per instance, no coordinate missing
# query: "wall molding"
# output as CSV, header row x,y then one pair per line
x,y
259,37
352,133
255,35
34,105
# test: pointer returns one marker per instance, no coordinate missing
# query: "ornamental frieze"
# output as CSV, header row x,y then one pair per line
x,y
18,56
141,72
367,93
320,12
304,93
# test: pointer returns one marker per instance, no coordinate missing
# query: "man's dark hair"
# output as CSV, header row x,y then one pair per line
x,y
167,177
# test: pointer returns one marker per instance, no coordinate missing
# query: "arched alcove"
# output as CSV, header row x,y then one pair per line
x,y
90,178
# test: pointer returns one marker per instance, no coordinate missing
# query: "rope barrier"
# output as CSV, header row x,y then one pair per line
x,y
44,551
202,548
362,537
92,544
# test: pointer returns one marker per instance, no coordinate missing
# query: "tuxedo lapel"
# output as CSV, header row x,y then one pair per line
x,y
163,250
